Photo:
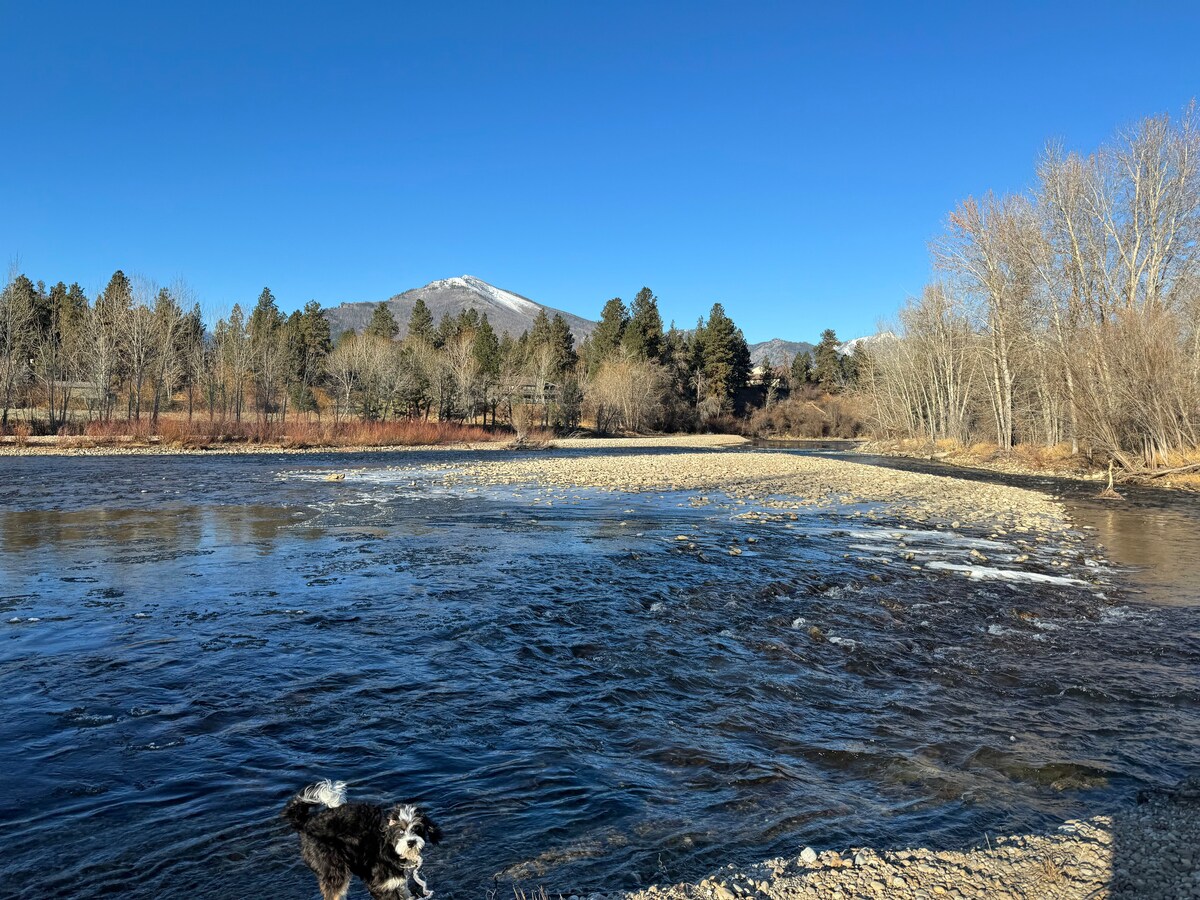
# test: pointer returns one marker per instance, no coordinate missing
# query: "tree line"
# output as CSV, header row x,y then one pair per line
x,y
1069,314
138,350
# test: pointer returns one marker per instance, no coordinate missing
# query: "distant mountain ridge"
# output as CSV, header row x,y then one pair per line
x,y
506,311
779,351
513,313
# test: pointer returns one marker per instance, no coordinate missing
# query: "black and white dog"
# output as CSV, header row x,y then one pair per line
x,y
382,846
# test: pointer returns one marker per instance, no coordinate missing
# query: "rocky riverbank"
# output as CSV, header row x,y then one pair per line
x,y
1026,461
75,446
1150,851
778,481
129,449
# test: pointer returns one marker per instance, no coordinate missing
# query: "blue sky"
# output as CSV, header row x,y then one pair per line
x,y
789,162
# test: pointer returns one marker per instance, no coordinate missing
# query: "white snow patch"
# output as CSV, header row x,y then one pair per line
x,y
988,574
488,292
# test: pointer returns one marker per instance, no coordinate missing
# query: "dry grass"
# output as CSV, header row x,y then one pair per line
x,y
539,894
810,413
534,439
1052,872
201,433
1023,458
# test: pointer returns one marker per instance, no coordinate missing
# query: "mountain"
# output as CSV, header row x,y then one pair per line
x,y
505,310
865,342
780,351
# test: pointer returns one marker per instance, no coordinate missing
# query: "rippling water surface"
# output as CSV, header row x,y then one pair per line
x,y
582,698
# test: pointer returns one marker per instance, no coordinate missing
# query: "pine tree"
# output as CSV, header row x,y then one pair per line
x,y
467,321
724,355
194,356
420,322
539,334
383,324
308,343
265,322
801,373
485,348
606,338
266,351
446,330
827,363
643,335
107,342
562,342
855,363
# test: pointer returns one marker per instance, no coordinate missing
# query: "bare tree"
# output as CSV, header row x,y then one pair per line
x,y
17,335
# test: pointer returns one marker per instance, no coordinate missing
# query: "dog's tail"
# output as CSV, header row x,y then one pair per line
x,y
326,793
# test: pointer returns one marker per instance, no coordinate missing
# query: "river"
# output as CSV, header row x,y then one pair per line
x,y
579,697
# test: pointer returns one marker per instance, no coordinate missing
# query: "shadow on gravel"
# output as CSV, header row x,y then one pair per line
x,y
1156,846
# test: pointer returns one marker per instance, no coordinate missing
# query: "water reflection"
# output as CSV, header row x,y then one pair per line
x,y
165,529
1153,532
1163,545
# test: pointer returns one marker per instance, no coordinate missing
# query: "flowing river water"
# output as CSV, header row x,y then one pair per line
x,y
581,698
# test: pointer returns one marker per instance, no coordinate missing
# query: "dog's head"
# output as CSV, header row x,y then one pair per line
x,y
408,830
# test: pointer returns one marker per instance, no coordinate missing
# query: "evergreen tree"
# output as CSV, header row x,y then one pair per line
x,y
724,355
827,363
485,348
317,343
766,371
467,321
562,342
539,334
265,320
308,344
855,363
107,339
446,330
606,338
235,358
192,343
266,351
43,308
420,322
507,348
383,324
644,334
117,294
801,373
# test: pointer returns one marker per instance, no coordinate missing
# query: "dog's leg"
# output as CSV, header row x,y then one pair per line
x,y
334,885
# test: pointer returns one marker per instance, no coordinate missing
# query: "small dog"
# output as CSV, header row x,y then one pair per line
x,y
382,846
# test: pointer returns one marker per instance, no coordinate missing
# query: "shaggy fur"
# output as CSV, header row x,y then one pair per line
x,y
381,845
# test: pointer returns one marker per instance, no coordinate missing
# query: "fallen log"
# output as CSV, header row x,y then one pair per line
x,y
1178,470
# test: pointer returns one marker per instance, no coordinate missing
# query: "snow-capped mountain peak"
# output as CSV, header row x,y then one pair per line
x,y
505,298
865,342
507,312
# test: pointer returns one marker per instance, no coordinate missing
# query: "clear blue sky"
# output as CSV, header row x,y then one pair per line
x,y
791,163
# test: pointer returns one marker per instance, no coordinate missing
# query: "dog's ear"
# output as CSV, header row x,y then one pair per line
x,y
431,832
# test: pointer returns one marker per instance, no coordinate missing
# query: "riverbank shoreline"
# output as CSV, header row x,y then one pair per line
x,y
778,482
991,461
1146,851
56,446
